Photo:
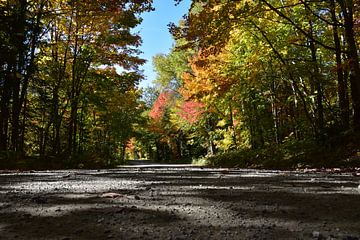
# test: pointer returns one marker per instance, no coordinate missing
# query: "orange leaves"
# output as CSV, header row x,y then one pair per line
x,y
208,75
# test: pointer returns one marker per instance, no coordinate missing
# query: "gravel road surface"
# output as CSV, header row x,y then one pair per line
x,y
179,202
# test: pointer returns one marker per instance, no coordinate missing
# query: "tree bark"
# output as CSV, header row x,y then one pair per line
x,y
353,59
73,98
342,83
316,81
5,112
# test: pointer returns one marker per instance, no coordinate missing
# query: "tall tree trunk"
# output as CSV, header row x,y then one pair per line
x,y
319,91
315,77
5,112
30,70
274,112
342,83
73,98
18,70
59,76
353,59
15,113
81,129
57,143
23,126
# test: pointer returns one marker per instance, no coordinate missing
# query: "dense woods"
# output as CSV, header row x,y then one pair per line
x,y
62,99
266,83
248,83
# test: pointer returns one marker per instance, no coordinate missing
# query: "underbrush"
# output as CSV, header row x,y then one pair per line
x,y
341,151
87,160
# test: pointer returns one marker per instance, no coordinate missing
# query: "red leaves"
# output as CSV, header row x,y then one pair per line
x,y
191,111
160,105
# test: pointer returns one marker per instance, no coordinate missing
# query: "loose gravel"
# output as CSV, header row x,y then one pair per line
x,y
154,202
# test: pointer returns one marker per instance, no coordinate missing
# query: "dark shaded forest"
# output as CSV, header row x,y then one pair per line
x,y
266,84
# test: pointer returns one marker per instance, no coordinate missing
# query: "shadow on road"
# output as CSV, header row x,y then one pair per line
x,y
143,201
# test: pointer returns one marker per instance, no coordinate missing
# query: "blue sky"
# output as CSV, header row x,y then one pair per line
x,y
155,34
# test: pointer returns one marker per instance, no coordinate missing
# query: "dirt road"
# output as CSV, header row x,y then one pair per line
x,y
154,202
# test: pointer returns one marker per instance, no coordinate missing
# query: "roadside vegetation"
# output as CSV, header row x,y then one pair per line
x,y
265,84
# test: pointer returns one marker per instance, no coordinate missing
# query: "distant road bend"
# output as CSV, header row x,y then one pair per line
x,y
149,163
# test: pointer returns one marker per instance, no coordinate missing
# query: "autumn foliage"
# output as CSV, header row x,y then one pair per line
x,y
160,105
206,77
191,111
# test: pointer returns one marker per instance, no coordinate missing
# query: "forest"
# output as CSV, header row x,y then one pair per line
x,y
248,83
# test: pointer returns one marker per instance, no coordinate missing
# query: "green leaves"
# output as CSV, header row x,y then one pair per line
x,y
266,65
69,85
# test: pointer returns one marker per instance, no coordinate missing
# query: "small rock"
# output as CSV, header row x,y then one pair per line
x,y
137,197
316,234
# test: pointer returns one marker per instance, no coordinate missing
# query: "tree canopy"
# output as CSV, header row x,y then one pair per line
x,y
247,83
269,76
62,93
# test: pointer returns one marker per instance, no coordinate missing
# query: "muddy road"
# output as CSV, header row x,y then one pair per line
x,y
183,202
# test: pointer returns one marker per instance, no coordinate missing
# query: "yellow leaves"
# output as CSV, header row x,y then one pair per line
x,y
208,77
227,140
221,123
284,51
238,5
44,59
217,7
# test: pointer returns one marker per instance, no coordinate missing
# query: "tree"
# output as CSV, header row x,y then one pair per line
x,y
54,50
21,28
275,72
